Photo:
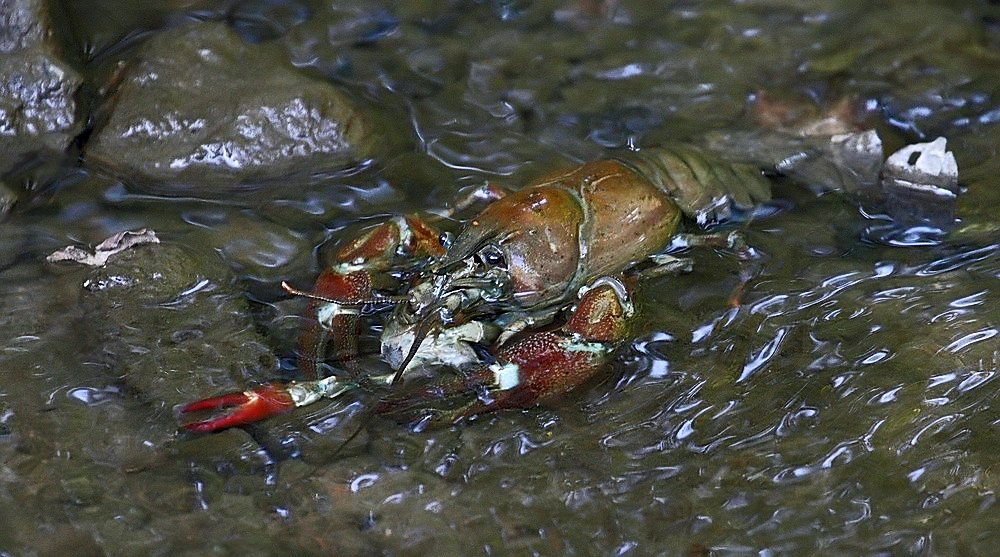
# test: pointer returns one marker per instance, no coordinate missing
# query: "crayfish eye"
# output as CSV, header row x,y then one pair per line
x,y
446,239
492,256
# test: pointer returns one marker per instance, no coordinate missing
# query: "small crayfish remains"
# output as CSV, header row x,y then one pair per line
x,y
524,304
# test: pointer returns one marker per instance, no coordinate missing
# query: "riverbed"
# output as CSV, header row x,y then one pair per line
x,y
844,406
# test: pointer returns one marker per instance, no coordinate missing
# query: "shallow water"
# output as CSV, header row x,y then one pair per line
x,y
844,407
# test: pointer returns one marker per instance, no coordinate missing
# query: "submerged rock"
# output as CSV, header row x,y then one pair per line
x,y
825,148
22,24
200,106
829,149
171,325
37,109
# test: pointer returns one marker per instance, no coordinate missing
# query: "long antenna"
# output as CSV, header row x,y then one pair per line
x,y
423,327
378,299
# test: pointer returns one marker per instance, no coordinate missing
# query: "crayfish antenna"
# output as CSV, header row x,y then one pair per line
x,y
288,288
364,418
424,327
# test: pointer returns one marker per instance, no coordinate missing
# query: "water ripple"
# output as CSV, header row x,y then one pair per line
x,y
958,261
763,355
966,340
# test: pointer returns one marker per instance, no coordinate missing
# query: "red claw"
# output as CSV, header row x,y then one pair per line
x,y
248,407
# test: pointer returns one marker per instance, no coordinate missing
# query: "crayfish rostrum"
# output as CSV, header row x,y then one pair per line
x,y
525,303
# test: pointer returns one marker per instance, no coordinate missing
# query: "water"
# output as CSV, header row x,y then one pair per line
x,y
844,408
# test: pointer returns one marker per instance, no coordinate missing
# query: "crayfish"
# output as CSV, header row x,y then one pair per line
x,y
527,302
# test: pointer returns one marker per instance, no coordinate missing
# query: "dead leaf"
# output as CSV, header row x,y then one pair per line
x,y
113,245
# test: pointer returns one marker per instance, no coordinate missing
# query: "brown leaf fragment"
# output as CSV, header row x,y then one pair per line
x,y
107,249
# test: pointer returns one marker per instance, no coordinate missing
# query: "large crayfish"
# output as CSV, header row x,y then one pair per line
x,y
564,240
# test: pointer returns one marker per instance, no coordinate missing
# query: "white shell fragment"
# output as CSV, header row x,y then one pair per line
x,y
927,167
106,249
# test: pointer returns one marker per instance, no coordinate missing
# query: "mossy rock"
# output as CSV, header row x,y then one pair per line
x,y
198,107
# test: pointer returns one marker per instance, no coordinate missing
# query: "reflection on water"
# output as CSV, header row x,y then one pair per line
x,y
847,405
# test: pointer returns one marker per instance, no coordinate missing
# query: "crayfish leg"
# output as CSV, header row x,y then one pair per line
x,y
336,323
731,242
536,368
360,266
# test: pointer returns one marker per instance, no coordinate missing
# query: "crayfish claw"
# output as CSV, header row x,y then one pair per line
x,y
215,402
247,407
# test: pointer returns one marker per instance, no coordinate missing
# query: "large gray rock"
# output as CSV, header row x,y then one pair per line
x,y
23,24
36,89
199,106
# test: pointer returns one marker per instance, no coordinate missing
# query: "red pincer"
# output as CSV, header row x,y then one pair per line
x,y
247,407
